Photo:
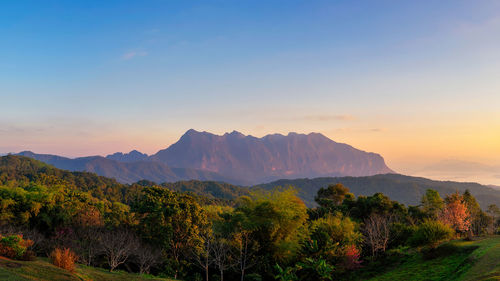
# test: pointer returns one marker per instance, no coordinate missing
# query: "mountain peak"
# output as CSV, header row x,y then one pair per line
x,y
273,156
235,134
132,156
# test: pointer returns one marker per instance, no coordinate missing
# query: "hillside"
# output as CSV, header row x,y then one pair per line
x,y
405,189
125,171
455,260
209,189
42,270
24,171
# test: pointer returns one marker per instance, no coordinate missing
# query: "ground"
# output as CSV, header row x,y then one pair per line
x,y
42,270
455,260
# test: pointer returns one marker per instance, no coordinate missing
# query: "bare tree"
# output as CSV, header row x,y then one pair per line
x,y
147,256
201,254
245,249
377,231
118,245
36,236
89,243
221,254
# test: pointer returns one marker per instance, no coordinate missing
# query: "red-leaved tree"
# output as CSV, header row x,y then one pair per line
x,y
455,213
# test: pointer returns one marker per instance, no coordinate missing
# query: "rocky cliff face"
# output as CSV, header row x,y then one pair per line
x,y
255,160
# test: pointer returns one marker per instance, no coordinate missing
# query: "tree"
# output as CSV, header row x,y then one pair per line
x,y
377,231
279,219
455,213
147,256
171,221
332,235
332,196
87,227
494,212
432,203
474,210
221,251
242,230
202,252
118,245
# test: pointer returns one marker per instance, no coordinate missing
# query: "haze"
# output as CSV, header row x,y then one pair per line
x,y
416,81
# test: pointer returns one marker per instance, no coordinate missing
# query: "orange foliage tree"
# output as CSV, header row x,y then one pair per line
x,y
455,213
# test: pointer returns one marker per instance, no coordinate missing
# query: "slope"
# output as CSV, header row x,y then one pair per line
x,y
404,189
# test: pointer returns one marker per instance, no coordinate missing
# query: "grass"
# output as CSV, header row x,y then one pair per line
x,y
42,270
455,260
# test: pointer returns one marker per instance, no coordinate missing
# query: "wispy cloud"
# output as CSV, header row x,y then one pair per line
x,y
133,54
325,117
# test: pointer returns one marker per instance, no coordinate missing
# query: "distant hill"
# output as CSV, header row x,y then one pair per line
x,y
405,189
132,156
125,172
209,189
21,171
253,160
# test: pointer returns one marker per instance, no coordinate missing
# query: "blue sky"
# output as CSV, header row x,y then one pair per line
x,y
416,81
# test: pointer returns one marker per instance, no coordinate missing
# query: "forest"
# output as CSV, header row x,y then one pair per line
x,y
170,230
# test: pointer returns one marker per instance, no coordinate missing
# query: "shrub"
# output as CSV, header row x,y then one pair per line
x,y
63,258
401,234
352,257
14,246
430,233
28,256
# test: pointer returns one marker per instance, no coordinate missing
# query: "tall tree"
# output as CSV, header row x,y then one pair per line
x,y
170,220
432,203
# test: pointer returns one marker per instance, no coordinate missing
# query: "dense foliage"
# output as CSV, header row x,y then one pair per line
x,y
172,230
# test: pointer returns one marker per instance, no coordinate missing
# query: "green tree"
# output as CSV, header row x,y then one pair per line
x,y
332,196
432,203
280,217
171,221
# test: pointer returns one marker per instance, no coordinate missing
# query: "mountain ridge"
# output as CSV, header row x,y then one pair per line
x,y
232,157
270,157
125,172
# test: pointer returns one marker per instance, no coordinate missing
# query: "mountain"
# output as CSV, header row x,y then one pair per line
x,y
405,189
125,172
132,156
271,157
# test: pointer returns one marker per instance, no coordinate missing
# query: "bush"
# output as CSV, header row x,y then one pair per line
x,y
63,258
430,233
401,234
14,246
28,256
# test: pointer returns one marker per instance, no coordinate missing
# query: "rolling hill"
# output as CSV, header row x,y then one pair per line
x,y
124,171
405,189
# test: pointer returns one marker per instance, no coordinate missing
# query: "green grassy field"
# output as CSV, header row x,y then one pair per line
x,y
455,260
41,269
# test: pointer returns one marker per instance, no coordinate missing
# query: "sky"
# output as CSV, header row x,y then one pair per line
x,y
416,81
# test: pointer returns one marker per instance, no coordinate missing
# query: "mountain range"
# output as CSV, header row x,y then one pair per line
x,y
405,189
233,157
